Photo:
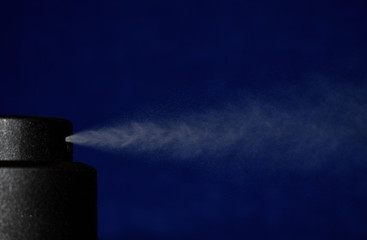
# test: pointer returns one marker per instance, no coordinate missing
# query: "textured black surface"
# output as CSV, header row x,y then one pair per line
x,y
34,138
43,194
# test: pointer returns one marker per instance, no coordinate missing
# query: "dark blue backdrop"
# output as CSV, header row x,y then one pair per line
x,y
95,61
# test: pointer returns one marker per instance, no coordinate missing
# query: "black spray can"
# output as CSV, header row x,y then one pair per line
x,y
44,195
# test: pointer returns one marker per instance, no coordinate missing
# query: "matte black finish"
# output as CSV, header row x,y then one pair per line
x,y
43,194
35,138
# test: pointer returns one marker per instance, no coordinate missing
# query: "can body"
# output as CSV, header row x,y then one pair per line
x,y
47,201
44,194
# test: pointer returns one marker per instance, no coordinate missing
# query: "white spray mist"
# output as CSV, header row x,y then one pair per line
x,y
257,128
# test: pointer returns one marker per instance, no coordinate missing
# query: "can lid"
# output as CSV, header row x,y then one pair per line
x,y
25,138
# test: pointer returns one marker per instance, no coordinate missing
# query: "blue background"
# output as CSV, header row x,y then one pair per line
x,y
96,61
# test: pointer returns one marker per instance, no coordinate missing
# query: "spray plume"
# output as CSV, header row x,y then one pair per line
x,y
321,121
